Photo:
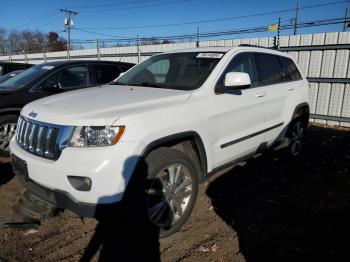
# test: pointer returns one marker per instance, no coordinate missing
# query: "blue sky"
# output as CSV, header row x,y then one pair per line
x,y
44,15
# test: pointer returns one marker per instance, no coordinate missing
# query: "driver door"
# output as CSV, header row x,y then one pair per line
x,y
238,117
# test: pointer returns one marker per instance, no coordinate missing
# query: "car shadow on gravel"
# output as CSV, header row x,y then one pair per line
x,y
291,211
6,173
124,231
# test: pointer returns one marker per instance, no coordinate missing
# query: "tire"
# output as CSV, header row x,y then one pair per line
x,y
171,189
296,137
8,126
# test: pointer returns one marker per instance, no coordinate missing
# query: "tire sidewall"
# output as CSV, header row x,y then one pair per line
x,y
170,157
302,139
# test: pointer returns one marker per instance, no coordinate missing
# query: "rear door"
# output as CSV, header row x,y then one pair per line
x,y
275,74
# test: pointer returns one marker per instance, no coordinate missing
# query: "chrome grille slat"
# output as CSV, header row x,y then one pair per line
x,y
21,139
40,139
32,138
26,135
48,141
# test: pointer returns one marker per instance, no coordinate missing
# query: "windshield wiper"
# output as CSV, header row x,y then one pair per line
x,y
148,84
117,83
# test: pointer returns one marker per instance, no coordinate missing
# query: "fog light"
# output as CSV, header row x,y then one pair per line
x,y
80,183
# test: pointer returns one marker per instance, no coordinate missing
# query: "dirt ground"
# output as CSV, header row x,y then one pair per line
x,y
267,209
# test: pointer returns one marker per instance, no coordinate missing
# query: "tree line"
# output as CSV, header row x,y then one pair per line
x,y
27,41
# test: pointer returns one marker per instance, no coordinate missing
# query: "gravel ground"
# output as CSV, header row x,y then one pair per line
x,y
266,209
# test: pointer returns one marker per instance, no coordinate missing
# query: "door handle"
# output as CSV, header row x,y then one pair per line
x,y
260,95
291,89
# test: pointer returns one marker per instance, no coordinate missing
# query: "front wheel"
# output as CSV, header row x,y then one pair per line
x,y
8,126
171,189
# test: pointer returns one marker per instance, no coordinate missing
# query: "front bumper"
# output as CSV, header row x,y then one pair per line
x,y
58,198
109,169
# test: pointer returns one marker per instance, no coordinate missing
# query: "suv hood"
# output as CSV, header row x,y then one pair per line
x,y
100,105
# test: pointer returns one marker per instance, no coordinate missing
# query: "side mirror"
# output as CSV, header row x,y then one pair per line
x,y
236,80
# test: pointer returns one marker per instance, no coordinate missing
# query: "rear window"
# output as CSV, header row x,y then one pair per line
x,y
106,73
269,69
289,69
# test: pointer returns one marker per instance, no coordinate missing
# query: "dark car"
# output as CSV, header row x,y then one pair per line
x,y
7,67
47,79
3,78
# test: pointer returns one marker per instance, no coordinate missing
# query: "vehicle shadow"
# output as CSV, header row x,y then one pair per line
x,y
124,231
291,211
6,173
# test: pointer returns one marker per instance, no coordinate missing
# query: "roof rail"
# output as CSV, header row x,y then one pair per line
x,y
257,46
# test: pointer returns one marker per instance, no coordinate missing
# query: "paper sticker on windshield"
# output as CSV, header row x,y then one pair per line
x,y
47,67
210,55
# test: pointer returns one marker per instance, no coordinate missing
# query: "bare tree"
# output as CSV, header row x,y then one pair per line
x,y
18,42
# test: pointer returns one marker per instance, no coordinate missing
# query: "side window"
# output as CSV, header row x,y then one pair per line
x,y
244,63
290,71
75,76
160,70
106,73
70,77
269,69
2,70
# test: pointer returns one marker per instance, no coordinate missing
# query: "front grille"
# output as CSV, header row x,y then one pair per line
x,y
41,139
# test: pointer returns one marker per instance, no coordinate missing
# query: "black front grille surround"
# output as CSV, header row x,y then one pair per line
x,y
42,139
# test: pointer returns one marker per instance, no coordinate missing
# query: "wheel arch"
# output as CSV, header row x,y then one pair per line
x,y
301,110
179,138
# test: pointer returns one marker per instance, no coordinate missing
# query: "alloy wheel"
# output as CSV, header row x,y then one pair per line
x,y
169,195
7,131
297,136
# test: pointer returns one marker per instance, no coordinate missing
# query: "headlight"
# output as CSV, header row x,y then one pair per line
x,y
96,136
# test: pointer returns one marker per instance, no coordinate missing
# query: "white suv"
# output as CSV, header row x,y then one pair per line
x,y
160,129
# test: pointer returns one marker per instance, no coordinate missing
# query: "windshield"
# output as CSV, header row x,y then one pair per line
x,y
3,78
180,71
26,77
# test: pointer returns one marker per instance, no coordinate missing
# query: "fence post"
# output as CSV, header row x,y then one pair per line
x,y
98,51
138,49
198,37
44,54
68,54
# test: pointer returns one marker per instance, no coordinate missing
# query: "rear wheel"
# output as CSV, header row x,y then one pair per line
x,y
171,189
8,126
296,136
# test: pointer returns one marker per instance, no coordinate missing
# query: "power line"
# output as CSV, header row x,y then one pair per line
x,y
95,33
112,4
137,7
258,29
218,19
36,19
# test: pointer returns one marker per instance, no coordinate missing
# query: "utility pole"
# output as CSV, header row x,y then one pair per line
x,y
296,19
346,23
198,37
68,22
